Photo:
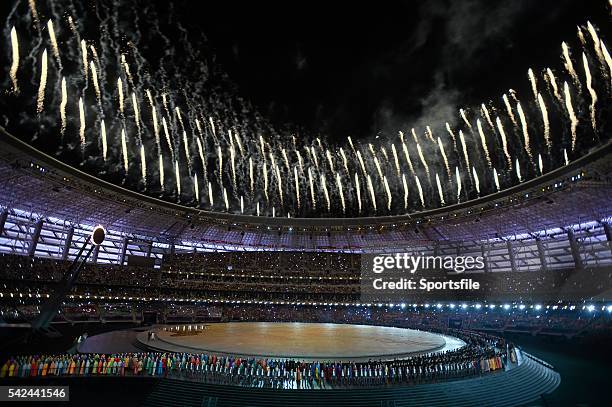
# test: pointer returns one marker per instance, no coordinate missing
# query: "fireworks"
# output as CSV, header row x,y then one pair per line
x,y
465,120
502,133
567,62
212,202
496,179
465,151
532,80
121,98
545,121
297,186
82,122
518,171
177,175
405,185
325,192
53,41
420,189
358,190
440,190
312,190
589,84
388,190
143,164
340,191
124,152
103,137
372,194
540,164
483,141
509,109
422,157
63,104
396,160
458,180
608,60
553,83
407,157
525,130
15,60
84,58
94,77
570,112
441,146
40,103
476,180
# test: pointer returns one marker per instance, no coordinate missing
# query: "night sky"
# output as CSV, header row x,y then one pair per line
x,y
342,69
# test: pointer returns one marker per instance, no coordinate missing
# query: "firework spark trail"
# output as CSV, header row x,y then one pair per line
x,y
344,161
388,190
465,151
161,172
340,192
518,171
384,153
581,36
241,204
186,149
279,182
414,136
483,141
565,156
420,189
570,112
462,113
126,69
220,162
396,159
285,159
608,60
84,60
137,113
525,130
82,123
444,158
196,188
212,202
440,193
372,194
121,97
509,110
156,123
177,175
63,104
54,46
257,206
502,133
405,185
297,186
124,150
226,200
407,157
569,66
314,157
553,83
476,180
233,165
251,174
589,84
239,143
35,18
540,164
15,60
487,116
458,180
361,163
377,164
104,141
201,153
312,191
43,84
429,134
422,157
212,127
143,164
167,134
496,179
596,42
358,190
532,81
453,138
325,192
545,121
300,160
351,143
329,160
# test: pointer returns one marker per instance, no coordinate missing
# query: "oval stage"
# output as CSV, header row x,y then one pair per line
x,y
298,340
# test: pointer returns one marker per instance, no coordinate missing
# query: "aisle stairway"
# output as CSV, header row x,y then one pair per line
x,y
519,386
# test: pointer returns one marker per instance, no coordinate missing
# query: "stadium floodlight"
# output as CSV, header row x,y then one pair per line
x,y
522,306
591,308
452,306
464,306
492,306
538,307
506,306
478,306
403,305
609,308
439,305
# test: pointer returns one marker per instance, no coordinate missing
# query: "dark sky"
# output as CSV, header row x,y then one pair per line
x,y
339,69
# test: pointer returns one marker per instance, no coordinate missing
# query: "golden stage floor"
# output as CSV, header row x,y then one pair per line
x,y
300,340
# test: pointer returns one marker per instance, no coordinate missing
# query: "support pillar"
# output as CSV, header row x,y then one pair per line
x,y
68,243
542,255
574,248
511,255
35,237
121,258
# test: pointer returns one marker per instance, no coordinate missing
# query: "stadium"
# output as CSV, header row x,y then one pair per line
x,y
162,242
